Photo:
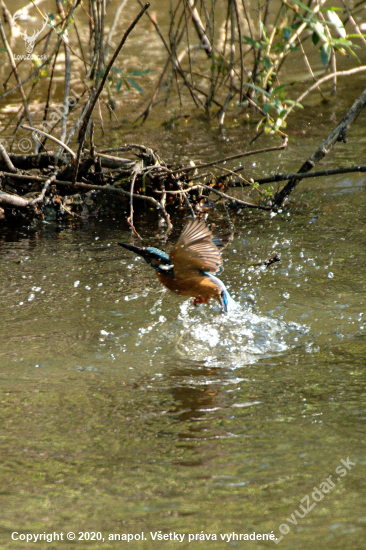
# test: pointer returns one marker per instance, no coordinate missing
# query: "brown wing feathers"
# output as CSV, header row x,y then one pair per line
x,y
195,230
198,249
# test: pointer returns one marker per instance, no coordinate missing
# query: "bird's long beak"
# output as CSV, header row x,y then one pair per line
x,y
135,249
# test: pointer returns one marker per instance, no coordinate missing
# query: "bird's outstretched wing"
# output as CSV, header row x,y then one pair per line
x,y
198,249
222,240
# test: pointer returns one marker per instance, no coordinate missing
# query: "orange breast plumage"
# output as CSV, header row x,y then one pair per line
x,y
190,268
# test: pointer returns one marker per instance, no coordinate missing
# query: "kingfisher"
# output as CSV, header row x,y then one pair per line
x,y
191,267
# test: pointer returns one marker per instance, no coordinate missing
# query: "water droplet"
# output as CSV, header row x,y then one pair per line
x,y
76,284
330,275
286,295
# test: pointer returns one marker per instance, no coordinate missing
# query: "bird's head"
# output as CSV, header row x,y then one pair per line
x,y
156,258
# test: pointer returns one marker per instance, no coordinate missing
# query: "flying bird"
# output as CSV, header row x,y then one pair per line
x,y
190,268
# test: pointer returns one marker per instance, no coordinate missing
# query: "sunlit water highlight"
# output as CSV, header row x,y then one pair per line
x,y
235,339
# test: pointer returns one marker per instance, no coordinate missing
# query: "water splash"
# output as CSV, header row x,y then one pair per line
x,y
238,338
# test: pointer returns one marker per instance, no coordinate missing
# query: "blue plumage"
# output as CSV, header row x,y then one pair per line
x,y
189,269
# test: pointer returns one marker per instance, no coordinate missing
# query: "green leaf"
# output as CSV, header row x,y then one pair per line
x,y
139,73
315,38
112,104
267,62
334,20
279,122
279,91
252,42
303,6
118,85
277,104
319,29
291,102
287,32
135,85
257,89
325,51
344,42
264,31
351,52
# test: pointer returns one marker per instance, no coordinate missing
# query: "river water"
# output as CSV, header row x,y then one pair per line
x,y
126,410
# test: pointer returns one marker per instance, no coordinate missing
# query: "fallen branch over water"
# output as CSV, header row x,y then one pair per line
x,y
146,179
139,175
340,133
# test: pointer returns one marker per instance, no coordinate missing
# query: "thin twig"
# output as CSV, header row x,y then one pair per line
x,y
246,182
112,29
90,110
15,71
162,204
232,157
356,27
46,107
52,138
233,199
304,175
240,50
67,77
50,180
320,81
200,29
307,63
130,218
